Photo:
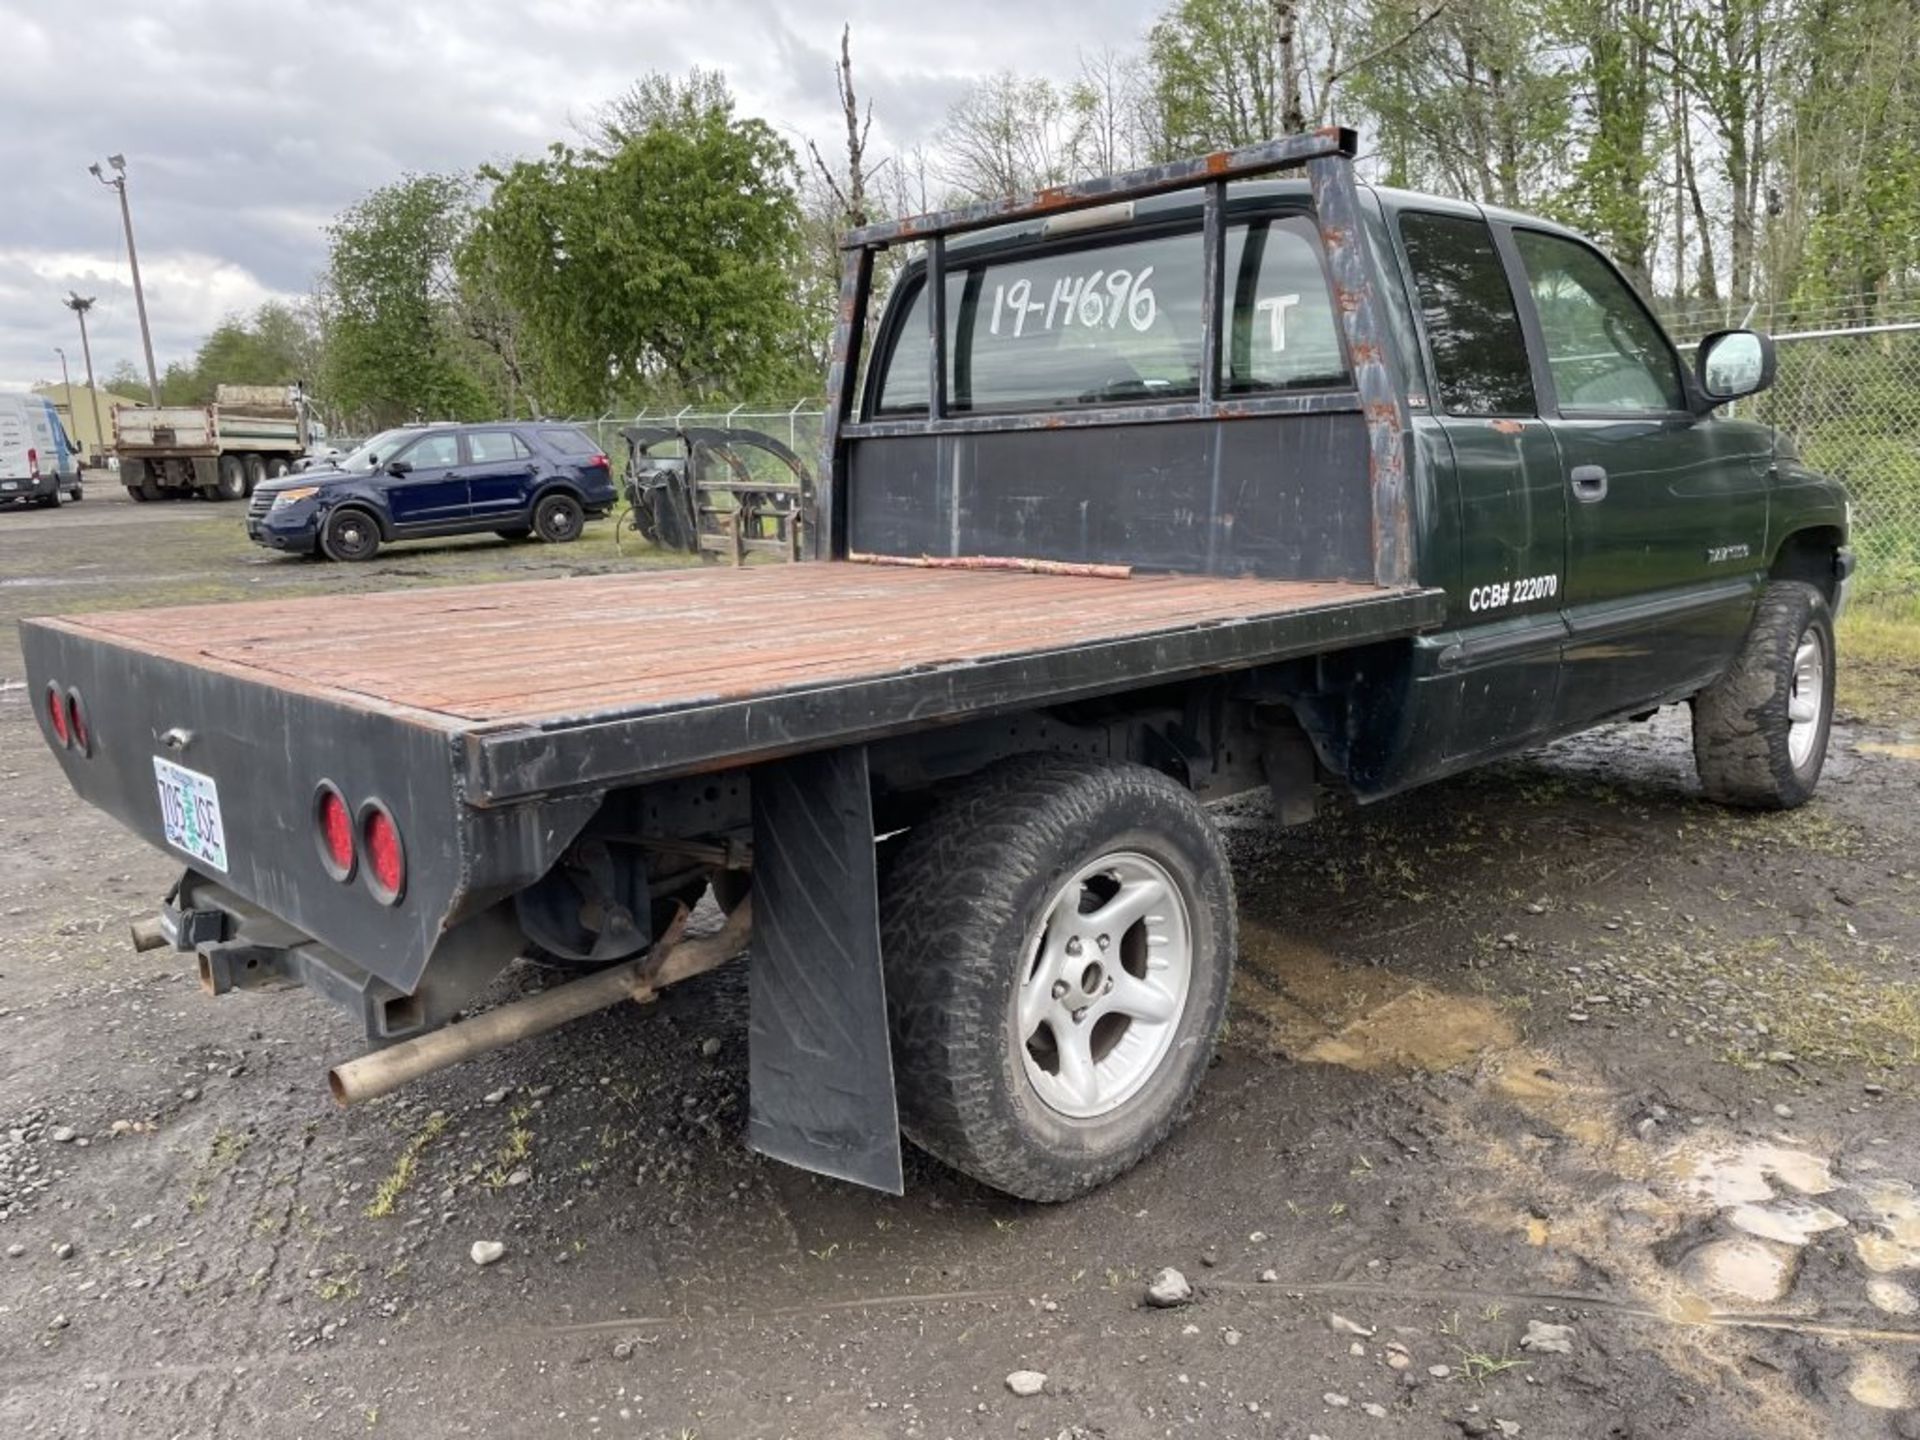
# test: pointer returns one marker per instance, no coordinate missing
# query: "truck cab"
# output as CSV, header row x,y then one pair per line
x,y
1599,522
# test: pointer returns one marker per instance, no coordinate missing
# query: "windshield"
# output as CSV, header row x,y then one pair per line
x,y
376,451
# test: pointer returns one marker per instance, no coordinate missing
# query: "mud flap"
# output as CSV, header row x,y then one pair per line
x,y
820,1059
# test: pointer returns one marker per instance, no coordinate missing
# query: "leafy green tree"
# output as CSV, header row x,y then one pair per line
x,y
393,347
657,262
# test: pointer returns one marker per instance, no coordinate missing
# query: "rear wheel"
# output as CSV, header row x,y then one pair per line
x,y
232,484
279,468
1760,730
558,518
54,499
1059,938
350,535
256,472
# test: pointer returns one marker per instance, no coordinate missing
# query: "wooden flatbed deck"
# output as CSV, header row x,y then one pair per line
x,y
876,646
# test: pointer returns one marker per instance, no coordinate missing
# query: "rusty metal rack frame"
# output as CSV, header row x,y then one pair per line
x,y
1327,157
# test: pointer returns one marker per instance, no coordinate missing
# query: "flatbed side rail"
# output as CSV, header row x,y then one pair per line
x,y
1326,154
511,762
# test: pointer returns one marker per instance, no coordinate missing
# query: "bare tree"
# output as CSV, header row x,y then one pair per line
x,y
852,193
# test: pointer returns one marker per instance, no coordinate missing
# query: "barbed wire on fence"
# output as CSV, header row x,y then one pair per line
x,y
1849,396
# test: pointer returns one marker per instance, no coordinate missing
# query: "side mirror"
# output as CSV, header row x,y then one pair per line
x,y
1733,363
399,467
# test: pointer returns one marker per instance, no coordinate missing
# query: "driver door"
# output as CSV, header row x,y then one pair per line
x,y
434,490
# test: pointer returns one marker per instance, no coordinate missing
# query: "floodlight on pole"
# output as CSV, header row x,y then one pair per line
x,y
80,304
119,182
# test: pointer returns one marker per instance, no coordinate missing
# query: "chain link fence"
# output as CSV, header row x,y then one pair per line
x,y
1849,396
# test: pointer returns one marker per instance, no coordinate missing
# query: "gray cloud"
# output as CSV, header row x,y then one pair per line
x,y
248,125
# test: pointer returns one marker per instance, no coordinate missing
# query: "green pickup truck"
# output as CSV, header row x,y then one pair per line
x,y
1145,492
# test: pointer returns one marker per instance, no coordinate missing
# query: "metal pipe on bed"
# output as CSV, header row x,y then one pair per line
x,y
669,961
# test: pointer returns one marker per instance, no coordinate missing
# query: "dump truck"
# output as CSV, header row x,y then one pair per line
x,y
1156,489
249,433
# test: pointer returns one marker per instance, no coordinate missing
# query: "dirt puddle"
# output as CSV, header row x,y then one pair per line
x,y
1707,1231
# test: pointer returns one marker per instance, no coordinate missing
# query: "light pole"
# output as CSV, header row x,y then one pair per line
x,y
66,379
80,304
119,182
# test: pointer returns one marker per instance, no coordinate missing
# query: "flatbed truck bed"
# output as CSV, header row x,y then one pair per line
x,y
556,684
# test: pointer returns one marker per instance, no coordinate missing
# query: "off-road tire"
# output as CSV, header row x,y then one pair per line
x,y
350,535
1740,724
958,899
232,484
256,472
558,518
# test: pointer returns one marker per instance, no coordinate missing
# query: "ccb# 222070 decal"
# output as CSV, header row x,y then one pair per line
x,y
1503,594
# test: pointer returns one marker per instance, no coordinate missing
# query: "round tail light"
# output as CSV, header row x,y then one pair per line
x,y
333,830
386,857
77,723
57,716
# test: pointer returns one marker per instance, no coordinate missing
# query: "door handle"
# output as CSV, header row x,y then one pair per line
x,y
1589,482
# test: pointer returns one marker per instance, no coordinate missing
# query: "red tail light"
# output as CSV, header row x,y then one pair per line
x,y
33,463
600,461
386,857
57,716
77,723
333,829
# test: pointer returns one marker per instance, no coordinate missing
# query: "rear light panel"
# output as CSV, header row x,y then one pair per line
x,y
369,846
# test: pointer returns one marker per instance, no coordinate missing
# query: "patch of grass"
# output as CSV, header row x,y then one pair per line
x,y
401,1176
518,1146
1879,671
1480,1367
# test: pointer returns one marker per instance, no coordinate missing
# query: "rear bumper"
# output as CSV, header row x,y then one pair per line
x,y
35,488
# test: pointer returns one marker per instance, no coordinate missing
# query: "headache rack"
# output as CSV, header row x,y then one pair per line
x,y
1325,154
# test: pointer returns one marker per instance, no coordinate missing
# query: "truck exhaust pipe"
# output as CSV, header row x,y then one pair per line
x,y
669,961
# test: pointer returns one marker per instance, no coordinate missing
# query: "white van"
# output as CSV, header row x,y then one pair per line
x,y
38,462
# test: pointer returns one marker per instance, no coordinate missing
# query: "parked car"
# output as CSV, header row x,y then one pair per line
x,y
514,478
38,461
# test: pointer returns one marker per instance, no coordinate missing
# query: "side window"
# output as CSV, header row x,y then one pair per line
x,y
1283,336
571,440
433,452
1473,329
487,447
1604,350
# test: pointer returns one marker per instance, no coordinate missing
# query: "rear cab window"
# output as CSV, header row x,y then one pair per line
x,y
1118,320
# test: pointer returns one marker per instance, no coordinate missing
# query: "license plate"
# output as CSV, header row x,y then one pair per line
x,y
190,811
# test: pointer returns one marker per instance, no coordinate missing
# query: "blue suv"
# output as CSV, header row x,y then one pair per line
x,y
514,478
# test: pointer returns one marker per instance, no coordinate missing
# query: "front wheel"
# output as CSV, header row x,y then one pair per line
x,y
1760,731
1059,938
558,519
350,535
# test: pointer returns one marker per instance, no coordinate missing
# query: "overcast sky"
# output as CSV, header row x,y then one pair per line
x,y
247,124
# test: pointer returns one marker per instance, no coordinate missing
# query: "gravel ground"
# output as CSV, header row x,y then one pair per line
x,y
1554,1102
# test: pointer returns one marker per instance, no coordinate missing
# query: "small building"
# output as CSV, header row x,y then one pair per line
x,y
77,413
